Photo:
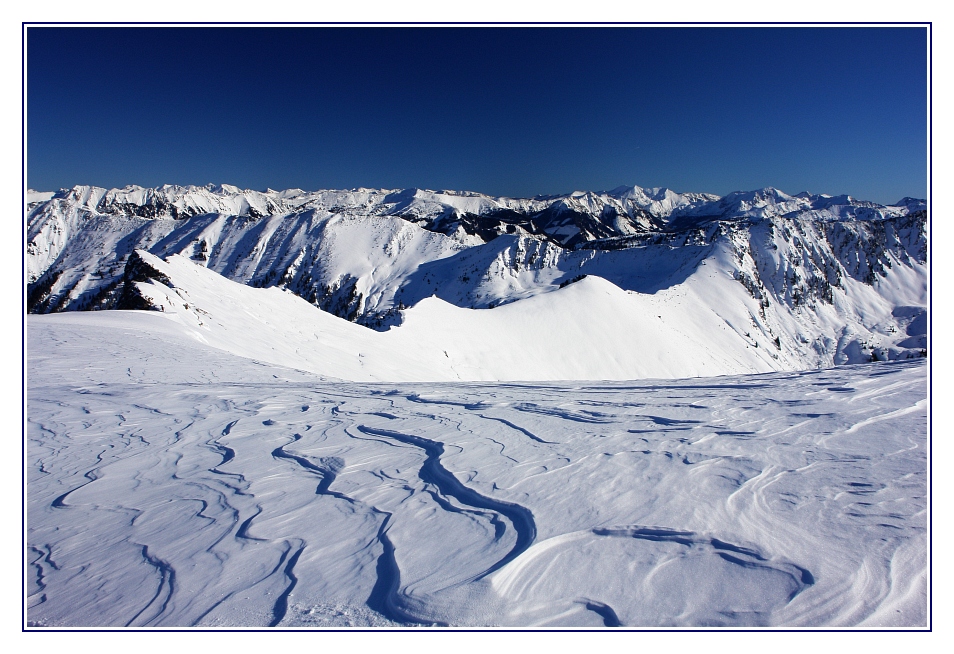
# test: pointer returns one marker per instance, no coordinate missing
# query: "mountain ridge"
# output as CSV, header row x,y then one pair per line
x,y
829,279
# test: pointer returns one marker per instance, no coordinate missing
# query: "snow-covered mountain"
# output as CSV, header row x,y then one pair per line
x,y
805,280
415,408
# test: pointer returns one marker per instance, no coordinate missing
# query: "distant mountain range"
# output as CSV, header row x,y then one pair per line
x,y
797,281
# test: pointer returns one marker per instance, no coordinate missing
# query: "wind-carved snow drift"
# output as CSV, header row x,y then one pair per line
x,y
807,280
176,485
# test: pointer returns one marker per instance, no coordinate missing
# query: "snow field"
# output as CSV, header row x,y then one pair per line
x,y
175,484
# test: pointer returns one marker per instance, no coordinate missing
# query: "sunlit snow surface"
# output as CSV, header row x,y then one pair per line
x,y
170,484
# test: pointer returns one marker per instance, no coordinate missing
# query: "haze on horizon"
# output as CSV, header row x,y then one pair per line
x,y
504,111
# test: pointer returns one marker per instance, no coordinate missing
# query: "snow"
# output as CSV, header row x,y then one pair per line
x,y
176,484
591,329
648,433
38,196
706,324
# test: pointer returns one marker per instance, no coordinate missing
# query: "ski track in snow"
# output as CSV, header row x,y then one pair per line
x,y
196,494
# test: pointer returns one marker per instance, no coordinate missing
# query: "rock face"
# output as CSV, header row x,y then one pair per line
x,y
833,279
138,270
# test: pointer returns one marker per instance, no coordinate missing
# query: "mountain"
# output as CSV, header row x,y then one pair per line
x,y
425,409
795,281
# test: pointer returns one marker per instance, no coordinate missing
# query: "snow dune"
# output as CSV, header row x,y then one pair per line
x,y
173,484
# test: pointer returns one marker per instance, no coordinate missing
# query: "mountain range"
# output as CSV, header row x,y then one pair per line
x,y
760,280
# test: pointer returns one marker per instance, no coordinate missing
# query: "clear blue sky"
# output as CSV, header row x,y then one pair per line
x,y
504,111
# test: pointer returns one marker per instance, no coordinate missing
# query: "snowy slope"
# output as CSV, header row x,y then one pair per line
x,y
708,324
591,329
174,485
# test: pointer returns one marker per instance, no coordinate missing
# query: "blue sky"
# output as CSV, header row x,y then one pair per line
x,y
504,111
